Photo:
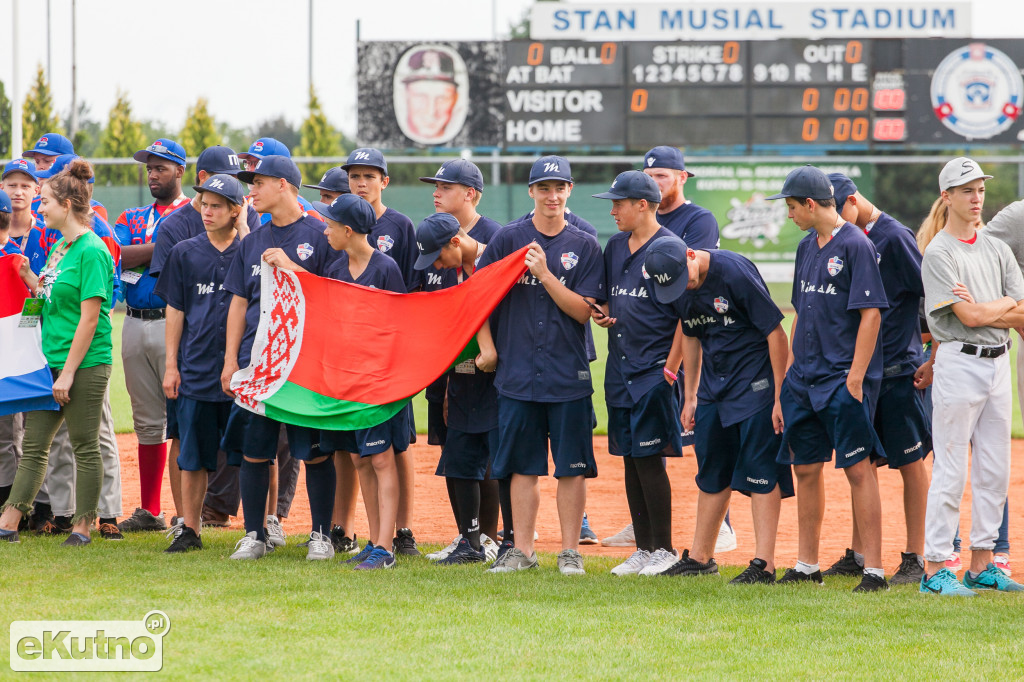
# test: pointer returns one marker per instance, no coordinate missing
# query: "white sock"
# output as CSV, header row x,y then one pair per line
x,y
806,569
859,558
877,572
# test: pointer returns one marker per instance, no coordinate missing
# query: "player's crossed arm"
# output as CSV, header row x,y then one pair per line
x,y
568,302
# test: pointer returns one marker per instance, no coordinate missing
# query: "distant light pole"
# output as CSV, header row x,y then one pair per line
x,y
16,103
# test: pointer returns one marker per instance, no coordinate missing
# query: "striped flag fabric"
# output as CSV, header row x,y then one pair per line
x,y
25,380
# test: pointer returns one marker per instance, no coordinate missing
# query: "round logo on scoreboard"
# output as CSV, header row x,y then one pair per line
x,y
431,93
977,91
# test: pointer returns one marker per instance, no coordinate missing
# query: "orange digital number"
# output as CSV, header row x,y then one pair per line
x,y
811,97
535,54
810,130
638,103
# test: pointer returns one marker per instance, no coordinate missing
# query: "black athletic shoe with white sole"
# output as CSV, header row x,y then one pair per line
x,y
187,539
871,583
755,574
846,566
910,571
794,576
687,566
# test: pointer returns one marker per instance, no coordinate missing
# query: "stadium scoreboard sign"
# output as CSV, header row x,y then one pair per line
x,y
738,94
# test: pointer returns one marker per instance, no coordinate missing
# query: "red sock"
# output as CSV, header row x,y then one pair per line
x,y
152,460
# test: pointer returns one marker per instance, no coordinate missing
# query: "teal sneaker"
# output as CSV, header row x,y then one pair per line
x,y
944,583
992,579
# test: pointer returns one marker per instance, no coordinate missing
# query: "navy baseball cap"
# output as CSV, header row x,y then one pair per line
x,y
59,164
266,146
807,182
21,166
334,180
842,189
218,160
164,148
226,185
665,264
50,144
5,203
274,167
550,168
351,210
459,172
632,185
367,156
666,157
432,234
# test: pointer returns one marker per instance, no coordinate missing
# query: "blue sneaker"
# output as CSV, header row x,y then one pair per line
x,y
944,583
363,555
379,558
464,554
503,548
587,536
992,579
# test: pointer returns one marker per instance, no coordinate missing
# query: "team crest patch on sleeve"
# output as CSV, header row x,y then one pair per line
x,y
305,250
643,270
721,305
385,242
835,265
569,260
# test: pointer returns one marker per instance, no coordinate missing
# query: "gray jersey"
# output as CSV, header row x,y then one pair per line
x,y
987,268
1008,227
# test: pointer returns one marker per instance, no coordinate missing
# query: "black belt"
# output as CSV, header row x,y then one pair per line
x,y
984,351
147,313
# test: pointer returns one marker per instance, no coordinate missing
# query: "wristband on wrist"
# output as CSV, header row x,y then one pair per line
x,y
670,375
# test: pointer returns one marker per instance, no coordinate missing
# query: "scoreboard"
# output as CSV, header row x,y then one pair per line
x,y
839,94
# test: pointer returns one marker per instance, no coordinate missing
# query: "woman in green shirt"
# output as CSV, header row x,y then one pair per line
x,y
76,286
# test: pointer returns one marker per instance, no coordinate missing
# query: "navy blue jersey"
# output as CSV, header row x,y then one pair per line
x,y
641,338
433,279
693,224
395,236
303,241
542,352
900,265
192,281
183,224
732,314
570,217
830,286
381,273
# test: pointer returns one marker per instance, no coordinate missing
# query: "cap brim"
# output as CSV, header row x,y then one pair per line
x,y
231,171
233,200
368,165
961,184
321,208
425,260
780,195
38,174
429,179
609,195
246,176
143,157
44,152
670,292
550,177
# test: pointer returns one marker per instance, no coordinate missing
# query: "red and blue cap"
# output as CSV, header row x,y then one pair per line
x,y
59,164
334,180
266,146
165,149
21,166
50,144
458,172
274,166
351,210
665,264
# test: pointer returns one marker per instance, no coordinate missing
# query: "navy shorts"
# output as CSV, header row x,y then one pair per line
x,y
650,427
810,436
255,436
394,433
901,422
437,429
201,426
173,431
467,455
740,456
524,429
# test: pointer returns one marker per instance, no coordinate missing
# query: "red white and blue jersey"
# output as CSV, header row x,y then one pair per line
x,y
183,224
134,227
304,243
732,314
693,224
192,281
36,244
97,208
106,235
542,353
641,338
394,235
900,265
830,286
10,249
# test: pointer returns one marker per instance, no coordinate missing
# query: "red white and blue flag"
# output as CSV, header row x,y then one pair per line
x,y
25,380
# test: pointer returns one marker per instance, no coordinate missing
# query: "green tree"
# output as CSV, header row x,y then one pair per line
x,y
5,116
87,137
200,129
121,138
37,116
318,138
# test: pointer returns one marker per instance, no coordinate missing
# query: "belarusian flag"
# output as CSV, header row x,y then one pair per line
x,y
339,356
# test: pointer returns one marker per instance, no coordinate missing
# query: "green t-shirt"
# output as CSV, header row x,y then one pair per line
x,y
86,271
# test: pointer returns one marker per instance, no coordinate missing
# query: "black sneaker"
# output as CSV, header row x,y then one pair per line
x,y
687,566
142,520
55,525
405,543
909,572
186,540
871,583
464,554
845,566
755,574
794,576
41,513
76,540
343,544
9,536
110,531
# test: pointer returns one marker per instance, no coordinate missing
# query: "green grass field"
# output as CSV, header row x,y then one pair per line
x,y
286,617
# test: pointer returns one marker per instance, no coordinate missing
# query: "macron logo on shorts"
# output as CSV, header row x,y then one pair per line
x,y
648,443
911,449
578,465
757,481
853,453
376,442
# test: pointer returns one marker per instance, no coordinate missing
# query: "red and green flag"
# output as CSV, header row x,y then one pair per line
x,y
339,356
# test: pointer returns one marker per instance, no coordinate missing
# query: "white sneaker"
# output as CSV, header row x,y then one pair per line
x,y
570,562
489,546
634,564
660,562
319,547
275,533
726,539
443,553
624,538
249,548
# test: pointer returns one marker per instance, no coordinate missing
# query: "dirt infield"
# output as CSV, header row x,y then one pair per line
x,y
606,507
